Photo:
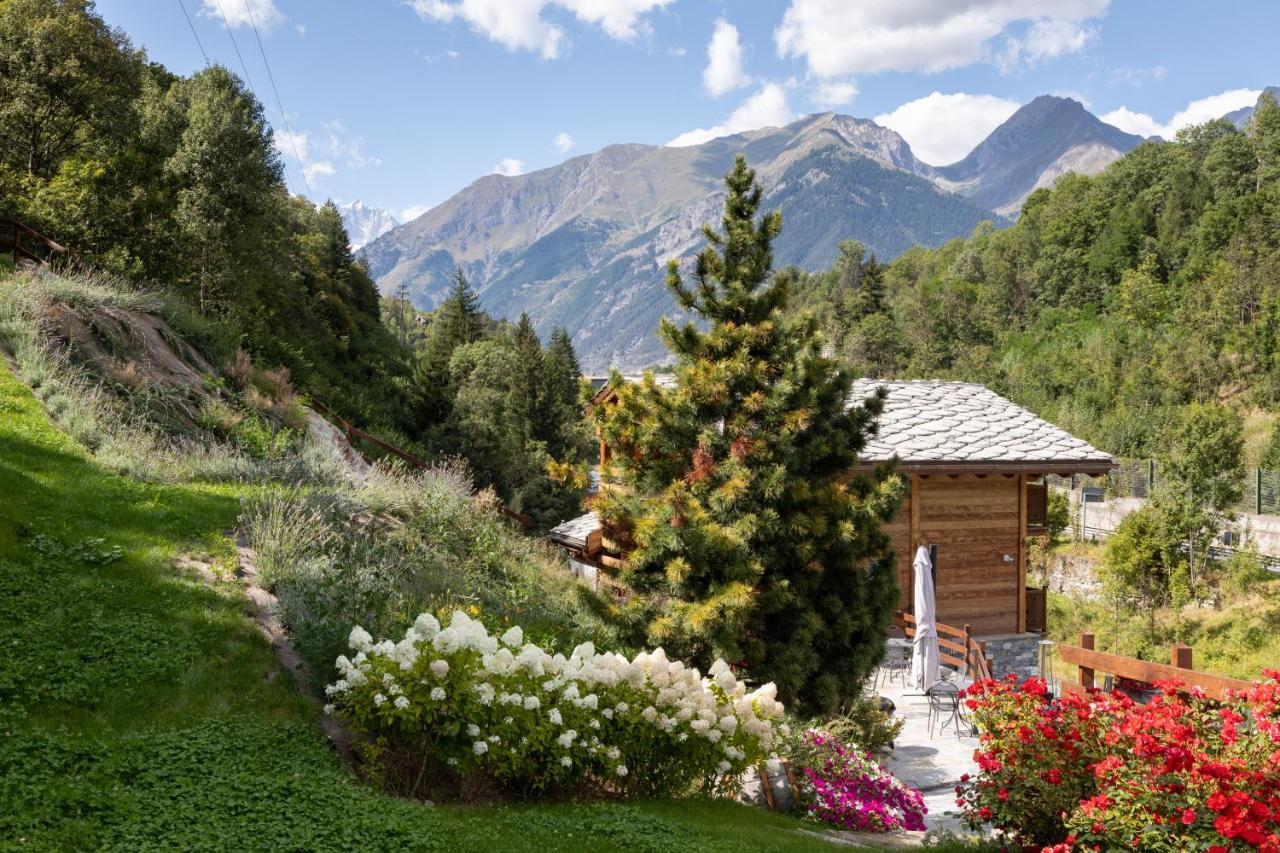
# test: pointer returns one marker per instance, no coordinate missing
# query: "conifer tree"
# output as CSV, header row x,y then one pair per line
x,y
528,383
746,535
458,321
560,415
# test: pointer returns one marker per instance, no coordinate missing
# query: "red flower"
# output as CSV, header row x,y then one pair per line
x,y
1188,817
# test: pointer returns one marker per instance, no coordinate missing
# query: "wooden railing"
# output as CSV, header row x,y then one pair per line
x,y
353,432
1091,662
956,646
13,232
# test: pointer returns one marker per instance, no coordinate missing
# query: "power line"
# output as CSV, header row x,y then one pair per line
x,y
283,115
183,7
243,67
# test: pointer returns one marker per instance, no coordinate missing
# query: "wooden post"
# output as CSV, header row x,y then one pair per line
x,y
1022,553
914,499
1180,656
1086,673
968,651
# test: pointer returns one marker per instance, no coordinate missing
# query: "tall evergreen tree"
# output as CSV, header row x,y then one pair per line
x,y
560,415
528,385
457,322
747,537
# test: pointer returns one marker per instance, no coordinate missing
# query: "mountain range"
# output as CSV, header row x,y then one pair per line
x,y
365,224
583,244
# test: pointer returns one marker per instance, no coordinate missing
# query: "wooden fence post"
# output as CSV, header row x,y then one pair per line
x,y
1180,656
1086,673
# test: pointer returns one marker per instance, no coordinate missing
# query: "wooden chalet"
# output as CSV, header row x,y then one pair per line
x,y
975,464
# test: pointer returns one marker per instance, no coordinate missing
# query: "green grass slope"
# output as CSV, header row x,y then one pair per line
x,y
140,710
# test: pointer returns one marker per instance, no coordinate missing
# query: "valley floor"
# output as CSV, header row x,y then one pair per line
x,y
140,709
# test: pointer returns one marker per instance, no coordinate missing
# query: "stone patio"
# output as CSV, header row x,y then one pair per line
x,y
931,762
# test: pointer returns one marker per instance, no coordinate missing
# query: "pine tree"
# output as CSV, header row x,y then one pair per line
x,y
528,383
746,535
458,321
560,415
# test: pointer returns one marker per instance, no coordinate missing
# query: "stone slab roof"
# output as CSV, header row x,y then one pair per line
x,y
574,532
931,421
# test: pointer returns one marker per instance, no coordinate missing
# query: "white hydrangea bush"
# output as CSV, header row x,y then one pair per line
x,y
530,721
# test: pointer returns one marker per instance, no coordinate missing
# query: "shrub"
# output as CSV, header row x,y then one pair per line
x,y
864,724
460,702
1034,755
1101,772
842,785
397,545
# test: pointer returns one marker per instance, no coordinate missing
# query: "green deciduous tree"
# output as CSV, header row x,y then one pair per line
x,y
747,536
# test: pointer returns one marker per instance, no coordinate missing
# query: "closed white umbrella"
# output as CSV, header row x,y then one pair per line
x,y
924,653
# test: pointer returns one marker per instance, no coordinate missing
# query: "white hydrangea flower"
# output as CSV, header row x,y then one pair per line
x,y
650,713
473,730
595,724
480,747
714,735
485,692
426,626
437,694
360,639
402,702
555,717
608,713
566,739
614,753
724,767
494,739
622,707
328,709
378,699
439,667
728,724
531,703
622,770
585,650
566,761
514,637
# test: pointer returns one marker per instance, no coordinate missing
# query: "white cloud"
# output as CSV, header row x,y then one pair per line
x,y
245,13
509,166
301,30
724,71
829,94
563,142
842,37
317,169
1047,38
519,24
317,154
766,108
1138,77
1196,112
413,212
942,129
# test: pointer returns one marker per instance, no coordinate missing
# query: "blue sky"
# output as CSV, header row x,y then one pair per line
x,y
401,104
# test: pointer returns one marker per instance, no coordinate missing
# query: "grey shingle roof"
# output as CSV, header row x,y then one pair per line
x,y
930,421
575,531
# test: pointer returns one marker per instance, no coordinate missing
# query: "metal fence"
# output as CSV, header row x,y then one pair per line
x,y
1137,478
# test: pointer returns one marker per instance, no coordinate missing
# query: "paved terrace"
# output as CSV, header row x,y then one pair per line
x,y
930,761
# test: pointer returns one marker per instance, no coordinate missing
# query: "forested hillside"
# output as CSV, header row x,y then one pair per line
x,y
1115,302
174,184
176,181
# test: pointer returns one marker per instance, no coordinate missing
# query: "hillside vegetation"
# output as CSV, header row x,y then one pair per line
x,y
1113,303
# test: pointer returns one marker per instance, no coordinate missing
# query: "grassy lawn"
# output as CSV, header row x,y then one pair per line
x,y
139,709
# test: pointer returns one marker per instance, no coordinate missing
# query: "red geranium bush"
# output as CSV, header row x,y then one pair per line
x,y
1182,772
1035,757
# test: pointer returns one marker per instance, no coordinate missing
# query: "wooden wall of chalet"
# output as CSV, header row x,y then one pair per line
x,y
974,522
